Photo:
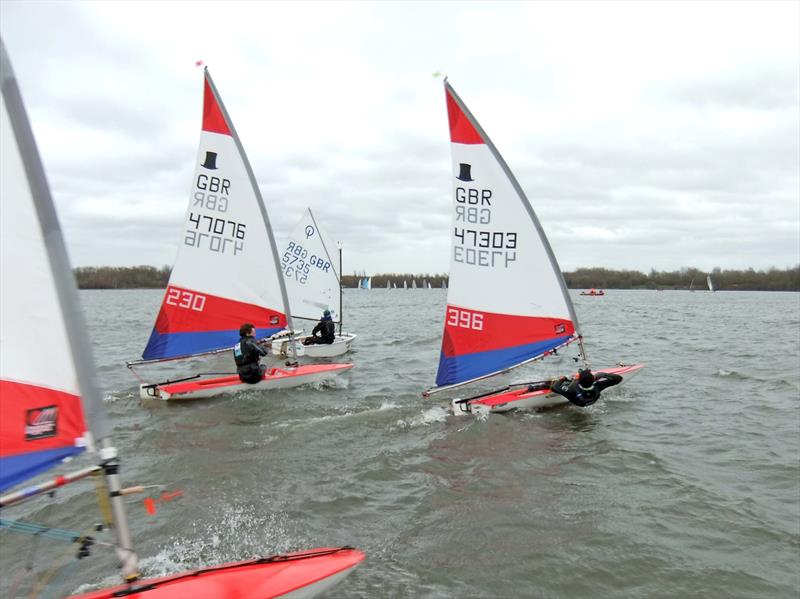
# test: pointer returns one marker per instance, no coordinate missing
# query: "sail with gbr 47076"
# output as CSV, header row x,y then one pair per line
x,y
53,413
226,273
507,302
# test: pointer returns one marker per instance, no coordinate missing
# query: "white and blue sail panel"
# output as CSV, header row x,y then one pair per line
x,y
506,303
42,418
224,274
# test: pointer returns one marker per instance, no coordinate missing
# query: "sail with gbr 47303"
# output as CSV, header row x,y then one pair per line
x,y
507,302
227,271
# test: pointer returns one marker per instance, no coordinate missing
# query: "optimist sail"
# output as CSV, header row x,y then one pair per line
x,y
309,272
227,271
507,303
46,407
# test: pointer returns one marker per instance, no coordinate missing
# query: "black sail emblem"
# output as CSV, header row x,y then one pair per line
x,y
210,161
465,174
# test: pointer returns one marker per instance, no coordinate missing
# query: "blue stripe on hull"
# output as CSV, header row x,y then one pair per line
x,y
458,369
174,345
18,468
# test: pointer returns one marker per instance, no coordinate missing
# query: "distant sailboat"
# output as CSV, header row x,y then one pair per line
x,y
710,283
388,284
413,284
312,282
405,284
507,304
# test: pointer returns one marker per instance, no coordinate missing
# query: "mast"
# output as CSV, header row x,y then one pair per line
x,y
67,294
341,300
262,207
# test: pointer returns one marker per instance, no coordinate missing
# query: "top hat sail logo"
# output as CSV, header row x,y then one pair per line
x,y
210,161
465,174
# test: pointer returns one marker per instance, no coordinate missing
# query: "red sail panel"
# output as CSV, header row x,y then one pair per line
x,y
462,130
213,119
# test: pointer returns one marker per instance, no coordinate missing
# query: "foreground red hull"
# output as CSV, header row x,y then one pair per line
x,y
300,574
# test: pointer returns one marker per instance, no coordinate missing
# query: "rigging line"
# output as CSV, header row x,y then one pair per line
x,y
102,499
59,563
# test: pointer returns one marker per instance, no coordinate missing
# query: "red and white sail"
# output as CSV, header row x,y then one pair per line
x,y
226,272
507,303
49,398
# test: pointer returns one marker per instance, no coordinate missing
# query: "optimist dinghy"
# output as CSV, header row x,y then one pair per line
x,y
313,284
507,302
51,414
227,271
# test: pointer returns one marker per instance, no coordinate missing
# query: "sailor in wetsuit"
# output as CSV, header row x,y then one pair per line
x,y
247,354
326,329
585,390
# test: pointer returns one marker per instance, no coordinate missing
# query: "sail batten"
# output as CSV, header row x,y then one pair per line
x,y
507,302
226,272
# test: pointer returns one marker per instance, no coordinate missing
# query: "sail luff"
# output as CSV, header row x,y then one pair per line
x,y
91,398
262,207
525,202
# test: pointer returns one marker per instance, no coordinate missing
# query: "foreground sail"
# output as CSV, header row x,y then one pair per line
x,y
313,285
507,302
53,412
227,271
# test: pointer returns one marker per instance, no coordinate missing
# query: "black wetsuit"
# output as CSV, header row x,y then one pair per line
x,y
247,353
327,329
579,396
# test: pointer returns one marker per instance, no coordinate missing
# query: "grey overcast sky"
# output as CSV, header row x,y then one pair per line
x,y
646,134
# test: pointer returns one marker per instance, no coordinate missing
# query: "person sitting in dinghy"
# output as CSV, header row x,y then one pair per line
x,y
326,329
247,354
585,390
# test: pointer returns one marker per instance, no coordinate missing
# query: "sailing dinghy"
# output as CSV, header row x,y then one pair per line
x,y
54,413
313,284
227,271
507,302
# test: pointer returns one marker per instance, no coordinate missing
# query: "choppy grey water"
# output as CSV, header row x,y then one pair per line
x,y
683,482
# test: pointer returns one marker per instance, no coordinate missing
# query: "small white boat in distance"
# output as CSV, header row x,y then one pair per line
x,y
313,284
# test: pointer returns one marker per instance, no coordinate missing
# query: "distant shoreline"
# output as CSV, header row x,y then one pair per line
x,y
688,279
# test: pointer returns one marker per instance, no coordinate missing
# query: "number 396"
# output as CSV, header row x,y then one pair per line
x,y
464,319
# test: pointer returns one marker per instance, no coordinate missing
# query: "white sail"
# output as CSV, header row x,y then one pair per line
x,y
310,273
710,283
227,271
507,302
47,407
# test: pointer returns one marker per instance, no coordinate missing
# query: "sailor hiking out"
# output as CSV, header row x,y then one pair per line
x,y
584,390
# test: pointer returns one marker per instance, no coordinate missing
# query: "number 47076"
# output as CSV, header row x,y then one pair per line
x,y
465,319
